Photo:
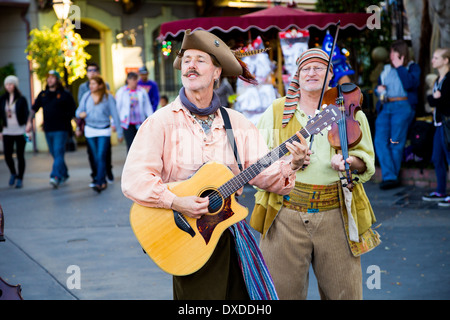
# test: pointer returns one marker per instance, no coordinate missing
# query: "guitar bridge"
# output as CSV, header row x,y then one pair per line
x,y
181,223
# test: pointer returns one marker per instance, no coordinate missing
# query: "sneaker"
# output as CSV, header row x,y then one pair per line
x,y
110,180
64,179
389,184
12,179
434,196
445,202
99,188
19,184
54,182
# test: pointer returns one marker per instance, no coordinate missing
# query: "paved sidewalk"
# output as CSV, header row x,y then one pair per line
x,y
49,231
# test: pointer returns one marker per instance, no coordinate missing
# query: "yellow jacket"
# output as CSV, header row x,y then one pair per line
x,y
268,204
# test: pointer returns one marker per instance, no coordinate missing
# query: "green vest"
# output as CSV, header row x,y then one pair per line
x,y
268,204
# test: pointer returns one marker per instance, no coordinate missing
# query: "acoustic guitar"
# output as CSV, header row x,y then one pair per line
x,y
181,245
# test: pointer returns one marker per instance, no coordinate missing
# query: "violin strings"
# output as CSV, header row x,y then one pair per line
x,y
343,137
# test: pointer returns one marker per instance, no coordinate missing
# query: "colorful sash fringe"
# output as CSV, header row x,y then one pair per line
x,y
256,274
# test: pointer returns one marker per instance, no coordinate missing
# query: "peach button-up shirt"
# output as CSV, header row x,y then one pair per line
x,y
171,146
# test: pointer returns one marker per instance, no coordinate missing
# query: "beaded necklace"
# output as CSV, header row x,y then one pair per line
x,y
207,123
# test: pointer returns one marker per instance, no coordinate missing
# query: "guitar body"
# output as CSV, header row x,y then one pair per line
x,y
177,251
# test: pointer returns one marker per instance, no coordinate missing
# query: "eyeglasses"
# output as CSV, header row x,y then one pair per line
x,y
92,70
315,69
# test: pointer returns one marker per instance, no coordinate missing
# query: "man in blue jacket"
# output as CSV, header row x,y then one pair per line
x,y
397,90
150,86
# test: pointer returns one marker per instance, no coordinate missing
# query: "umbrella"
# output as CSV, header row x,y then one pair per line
x,y
278,17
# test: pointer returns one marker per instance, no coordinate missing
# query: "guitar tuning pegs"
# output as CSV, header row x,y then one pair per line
x,y
317,111
329,127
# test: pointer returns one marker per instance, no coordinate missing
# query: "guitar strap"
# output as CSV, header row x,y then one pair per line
x,y
230,135
256,275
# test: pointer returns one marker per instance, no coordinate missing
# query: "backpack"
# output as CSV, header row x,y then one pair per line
x,y
421,136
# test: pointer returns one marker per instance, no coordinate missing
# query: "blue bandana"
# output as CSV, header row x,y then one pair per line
x,y
215,104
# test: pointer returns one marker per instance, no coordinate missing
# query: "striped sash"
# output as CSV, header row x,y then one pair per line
x,y
257,278
313,198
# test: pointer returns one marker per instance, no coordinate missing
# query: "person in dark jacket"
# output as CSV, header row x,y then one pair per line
x,y
13,118
397,89
440,101
59,109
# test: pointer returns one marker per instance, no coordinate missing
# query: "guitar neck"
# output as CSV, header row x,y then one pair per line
x,y
318,123
255,169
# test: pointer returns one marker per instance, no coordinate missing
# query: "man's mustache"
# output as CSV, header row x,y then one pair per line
x,y
187,74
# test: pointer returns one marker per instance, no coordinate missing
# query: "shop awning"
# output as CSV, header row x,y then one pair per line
x,y
278,17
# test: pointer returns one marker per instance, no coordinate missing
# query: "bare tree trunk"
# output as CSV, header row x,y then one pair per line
x,y
414,9
424,55
440,10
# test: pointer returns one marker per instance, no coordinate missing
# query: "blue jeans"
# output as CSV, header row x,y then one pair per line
x,y
99,147
391,130
56,141
439,158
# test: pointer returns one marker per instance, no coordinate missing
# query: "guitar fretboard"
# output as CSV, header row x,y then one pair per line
x,y
237,182
315,125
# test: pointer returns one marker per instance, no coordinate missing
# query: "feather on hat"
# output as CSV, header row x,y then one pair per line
x,y
232,65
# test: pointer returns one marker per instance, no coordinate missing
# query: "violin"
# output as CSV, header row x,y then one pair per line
x,y
7,291
346,133
347,97
10,292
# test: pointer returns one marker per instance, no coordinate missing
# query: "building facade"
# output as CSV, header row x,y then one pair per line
x,y
122,37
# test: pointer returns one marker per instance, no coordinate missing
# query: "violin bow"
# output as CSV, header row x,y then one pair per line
x,y
342,124
338,25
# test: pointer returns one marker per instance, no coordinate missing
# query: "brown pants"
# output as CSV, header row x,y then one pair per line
x,y
298,239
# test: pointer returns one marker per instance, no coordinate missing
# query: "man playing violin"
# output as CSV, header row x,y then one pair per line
x,y
173,143
312,226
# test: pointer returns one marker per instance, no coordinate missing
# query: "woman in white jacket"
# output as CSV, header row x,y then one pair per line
x,y
133,106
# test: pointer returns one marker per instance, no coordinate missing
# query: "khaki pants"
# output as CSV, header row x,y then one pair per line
x,y
298,239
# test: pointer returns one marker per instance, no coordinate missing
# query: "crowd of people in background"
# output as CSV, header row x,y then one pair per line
x,y
99,113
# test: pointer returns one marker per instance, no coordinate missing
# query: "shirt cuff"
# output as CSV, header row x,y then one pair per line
x,y
287,171
167,199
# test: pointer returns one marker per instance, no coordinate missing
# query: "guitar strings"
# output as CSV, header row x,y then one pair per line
x,y
215,197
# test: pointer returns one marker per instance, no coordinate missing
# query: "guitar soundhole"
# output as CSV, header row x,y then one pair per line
x,y
215,200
